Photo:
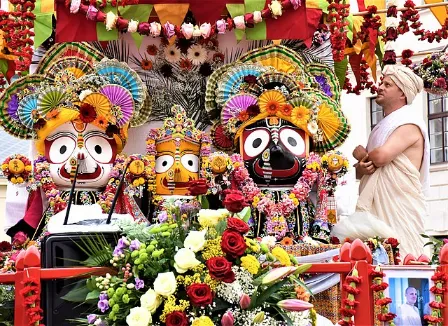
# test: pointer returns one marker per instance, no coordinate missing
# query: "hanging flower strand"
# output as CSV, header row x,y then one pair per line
x,y
349,304
439,288
378,286
93,12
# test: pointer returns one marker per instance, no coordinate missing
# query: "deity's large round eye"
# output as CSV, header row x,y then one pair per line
x,y
61,149
100,149
256,142
163,163
190,162
293,141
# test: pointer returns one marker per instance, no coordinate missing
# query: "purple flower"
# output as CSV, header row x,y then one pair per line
x,y
121,245
295,4
135,245
139,284
91,318
162,217
324,85
103,303
168,29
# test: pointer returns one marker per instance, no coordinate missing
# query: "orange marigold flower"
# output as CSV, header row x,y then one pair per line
x,y
287,241
146,64
286,109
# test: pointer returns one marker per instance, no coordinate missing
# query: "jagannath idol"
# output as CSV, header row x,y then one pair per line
x,y
180,152
280,112
77,109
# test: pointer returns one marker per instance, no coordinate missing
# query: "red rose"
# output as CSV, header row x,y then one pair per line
x,y
197,187
176,318
233,244
5,246
220,268
19,239
237,225
234,201
200,294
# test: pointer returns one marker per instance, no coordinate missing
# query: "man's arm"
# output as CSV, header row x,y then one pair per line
x,y
401,139
364,166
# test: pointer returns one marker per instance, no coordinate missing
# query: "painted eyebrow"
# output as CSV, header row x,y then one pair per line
x,y
61,134
96,133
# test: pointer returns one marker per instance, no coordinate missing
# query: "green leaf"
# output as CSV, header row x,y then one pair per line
x,y
93,295
427,244
284,316
245,214
425,236
221,227
264,296
204,202
3,66
78,294
340,69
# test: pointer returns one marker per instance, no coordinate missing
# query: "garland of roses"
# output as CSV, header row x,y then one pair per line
x,y
275,212
337,16
112,21
31,300
349,304
364,81
17,26
395,250
378,286
371,24
439,288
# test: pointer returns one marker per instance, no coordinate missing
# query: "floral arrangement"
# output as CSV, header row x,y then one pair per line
x,y
165,209
378,287
434,72
395,250
186,30
439,288
139,171
276,213
10,251
364,80
205,275
349,304
31,299
17,168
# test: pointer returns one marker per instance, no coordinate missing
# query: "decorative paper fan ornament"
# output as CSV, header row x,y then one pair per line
x,y
327,79
121,100
232,79
279,57
220,140
27,108
50,98
68,49
333,124
101,104
142,116
76,65
235,105
271,101
212,84
9,104
120,73
278,80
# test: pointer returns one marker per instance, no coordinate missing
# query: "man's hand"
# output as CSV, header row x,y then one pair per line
x,y
359,152
364,167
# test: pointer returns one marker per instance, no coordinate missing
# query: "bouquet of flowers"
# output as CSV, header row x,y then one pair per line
x,y
204,275
434,72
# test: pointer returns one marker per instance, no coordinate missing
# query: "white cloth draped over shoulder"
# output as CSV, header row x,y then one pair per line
x,y
395,192
407,315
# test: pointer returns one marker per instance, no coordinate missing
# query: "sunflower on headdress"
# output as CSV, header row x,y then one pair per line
x,y
300,116
271,101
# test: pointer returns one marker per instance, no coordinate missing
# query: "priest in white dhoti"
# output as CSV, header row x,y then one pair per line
x,y
394,167
407,313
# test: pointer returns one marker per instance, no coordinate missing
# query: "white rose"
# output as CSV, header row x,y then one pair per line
x,y
184,260
150,300
269,241
111,20
132,26
195,240
165,284
84,93
312,127
139,316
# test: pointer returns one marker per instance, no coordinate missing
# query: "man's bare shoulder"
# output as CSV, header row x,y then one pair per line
x,y
407,132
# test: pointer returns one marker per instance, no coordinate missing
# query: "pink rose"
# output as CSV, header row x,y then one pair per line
x,y
187,30
295,4
143,28
19,240
239,22
205,30
168,29
92,12
221,26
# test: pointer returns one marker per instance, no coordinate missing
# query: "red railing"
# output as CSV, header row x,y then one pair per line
x,y
356,253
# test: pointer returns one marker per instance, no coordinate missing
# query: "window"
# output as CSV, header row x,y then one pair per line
x,y
376,113
438,127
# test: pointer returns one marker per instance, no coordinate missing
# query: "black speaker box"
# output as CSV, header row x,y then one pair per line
x,y
61,250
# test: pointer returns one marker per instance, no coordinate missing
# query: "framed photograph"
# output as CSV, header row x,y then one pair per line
x,y
409,290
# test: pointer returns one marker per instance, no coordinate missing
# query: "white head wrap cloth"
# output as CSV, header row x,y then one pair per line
x,y
406,80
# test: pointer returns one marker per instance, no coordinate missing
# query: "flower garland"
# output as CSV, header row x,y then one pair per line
x,y
337,16
378,286
275,213
439,288
186,30
349,304
364,81
17,26
31,296
17,168
395,250
140,169
370,26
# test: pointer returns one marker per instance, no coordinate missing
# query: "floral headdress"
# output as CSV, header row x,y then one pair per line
x,y
275,81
